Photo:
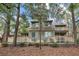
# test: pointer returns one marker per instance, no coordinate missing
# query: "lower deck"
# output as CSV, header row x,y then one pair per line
x,y
25,39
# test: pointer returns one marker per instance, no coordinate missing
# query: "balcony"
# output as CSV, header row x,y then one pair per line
x,y
46,26
43,28
61,28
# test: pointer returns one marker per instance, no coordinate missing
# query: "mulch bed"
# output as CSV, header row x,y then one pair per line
x,y
35,51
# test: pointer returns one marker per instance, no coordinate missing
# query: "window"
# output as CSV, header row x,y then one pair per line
x,y
47,34
62,40
33,34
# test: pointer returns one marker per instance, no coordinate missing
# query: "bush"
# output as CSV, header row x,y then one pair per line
x,y
55,45
67,42
77,41
45,44
4,44
31,44
51,41
22,44
34,40
45,40
37,44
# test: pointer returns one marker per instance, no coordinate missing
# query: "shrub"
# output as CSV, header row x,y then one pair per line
x,y
67,44
4,44
37,44
22,44
45,44
31,44
45,40
77,41
55,45
51,41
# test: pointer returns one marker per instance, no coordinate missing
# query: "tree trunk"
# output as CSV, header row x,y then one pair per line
x,y
40,32
74,24
17,25
7,29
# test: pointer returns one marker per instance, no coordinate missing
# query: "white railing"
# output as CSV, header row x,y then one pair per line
x,y
59,28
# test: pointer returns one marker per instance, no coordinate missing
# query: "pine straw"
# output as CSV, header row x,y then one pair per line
x,y
35,51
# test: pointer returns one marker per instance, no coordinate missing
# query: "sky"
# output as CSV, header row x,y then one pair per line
x,y
22,10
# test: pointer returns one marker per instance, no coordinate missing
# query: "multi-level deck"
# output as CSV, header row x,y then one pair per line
x,y
49,31
46,26
34,30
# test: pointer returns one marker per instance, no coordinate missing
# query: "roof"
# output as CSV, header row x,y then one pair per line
x,y
60,25
60,22
36,21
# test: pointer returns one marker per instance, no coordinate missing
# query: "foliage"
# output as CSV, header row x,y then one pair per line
x,y
37,44
38,11
51,41
55,44
4,44
22,44
73,6
23,27
67,42
77,41
56,11
45,41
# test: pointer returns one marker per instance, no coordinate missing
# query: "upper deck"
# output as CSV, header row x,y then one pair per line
x,y
47,25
